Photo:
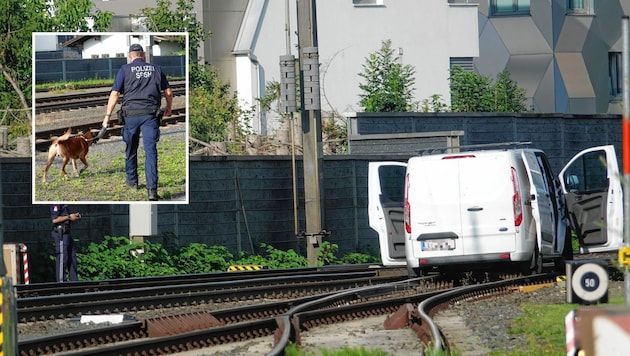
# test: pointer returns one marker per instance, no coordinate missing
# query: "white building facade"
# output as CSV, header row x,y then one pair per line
x,y
426,35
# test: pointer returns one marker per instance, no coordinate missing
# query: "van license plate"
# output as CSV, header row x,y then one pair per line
x,y
438,245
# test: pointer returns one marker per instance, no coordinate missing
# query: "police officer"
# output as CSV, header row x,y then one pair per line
x,y
142,84
66,259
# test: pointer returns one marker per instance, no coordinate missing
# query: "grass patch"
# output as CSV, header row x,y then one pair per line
x,y
62,87
293,350
104,180
544,326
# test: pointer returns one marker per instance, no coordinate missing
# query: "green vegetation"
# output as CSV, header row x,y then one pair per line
x,y
294,350
544,327
388,85
105,179
118,257
471,92
16,61
216,115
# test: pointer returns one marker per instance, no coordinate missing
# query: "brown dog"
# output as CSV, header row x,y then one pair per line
x,y
69,148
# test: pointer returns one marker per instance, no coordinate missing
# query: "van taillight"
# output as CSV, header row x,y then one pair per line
x,y
407,208
516,200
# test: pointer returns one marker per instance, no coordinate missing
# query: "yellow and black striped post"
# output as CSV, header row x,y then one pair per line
x,y
8,318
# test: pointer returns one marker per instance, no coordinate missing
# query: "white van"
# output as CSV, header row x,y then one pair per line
x,y
487,207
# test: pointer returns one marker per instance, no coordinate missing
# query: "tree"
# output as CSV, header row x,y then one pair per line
x,y
471,92
388,85
20,19
182,19
215,115
508,96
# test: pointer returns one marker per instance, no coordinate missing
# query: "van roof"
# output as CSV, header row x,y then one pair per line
x,y
502,146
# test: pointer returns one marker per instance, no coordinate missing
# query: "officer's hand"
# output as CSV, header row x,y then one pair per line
x,y
167,112
75,216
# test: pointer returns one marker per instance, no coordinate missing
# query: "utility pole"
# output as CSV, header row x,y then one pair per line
x,y
311,127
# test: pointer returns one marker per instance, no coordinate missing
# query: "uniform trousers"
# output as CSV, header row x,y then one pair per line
x,y
149,126
66,259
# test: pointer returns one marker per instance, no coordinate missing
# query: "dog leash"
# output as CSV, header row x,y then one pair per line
x,y
99,136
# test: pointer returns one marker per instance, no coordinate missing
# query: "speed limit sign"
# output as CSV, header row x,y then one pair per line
x,y
588,284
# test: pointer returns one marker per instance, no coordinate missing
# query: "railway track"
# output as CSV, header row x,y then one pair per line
x,y
53,105
158,294
45,103
44,138
279,312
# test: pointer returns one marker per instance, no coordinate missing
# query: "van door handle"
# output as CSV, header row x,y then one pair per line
x,y
475,208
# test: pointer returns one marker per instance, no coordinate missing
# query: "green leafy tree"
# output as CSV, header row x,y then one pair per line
x,y
163,18
388,85
19,20
471,92
216,114
433,104
508,96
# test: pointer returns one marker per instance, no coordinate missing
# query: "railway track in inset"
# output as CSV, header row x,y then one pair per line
x,y
88,102
44,138
91,98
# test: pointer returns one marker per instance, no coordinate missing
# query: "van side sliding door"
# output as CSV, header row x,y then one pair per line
x,y
592,187
386,190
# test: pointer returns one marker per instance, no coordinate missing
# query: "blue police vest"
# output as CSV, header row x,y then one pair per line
x,y
142,86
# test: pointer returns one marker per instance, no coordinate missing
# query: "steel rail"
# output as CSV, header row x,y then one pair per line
x,y
149,298
53,288
289,330
426,307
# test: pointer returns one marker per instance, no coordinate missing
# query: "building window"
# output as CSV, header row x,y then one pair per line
x,y
106,55
509,7
580,7
367,2
615,72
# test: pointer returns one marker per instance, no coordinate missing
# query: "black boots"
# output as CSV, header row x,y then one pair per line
x,y
153,195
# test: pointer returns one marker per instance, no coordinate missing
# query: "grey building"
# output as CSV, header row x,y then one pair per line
x,y
565,53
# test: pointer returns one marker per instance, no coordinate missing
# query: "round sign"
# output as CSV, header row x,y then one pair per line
x,y
590,282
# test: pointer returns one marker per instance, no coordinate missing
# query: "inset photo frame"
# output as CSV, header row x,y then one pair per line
x,y
110,118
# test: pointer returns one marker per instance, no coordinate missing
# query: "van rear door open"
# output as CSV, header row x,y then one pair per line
x,y
386,182
592,187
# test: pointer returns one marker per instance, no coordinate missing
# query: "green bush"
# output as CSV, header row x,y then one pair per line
x,y
199,258
118,257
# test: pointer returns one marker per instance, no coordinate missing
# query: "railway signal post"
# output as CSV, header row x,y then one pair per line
x,y
311,127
